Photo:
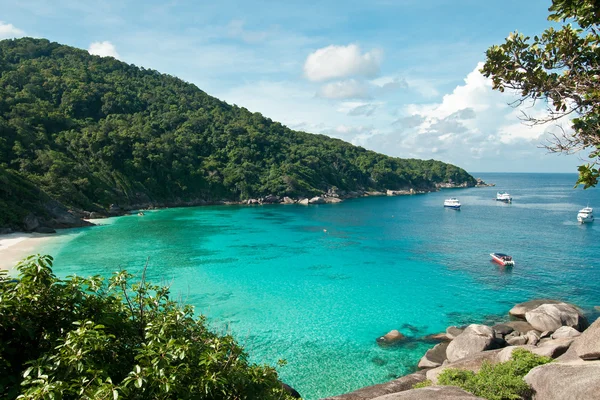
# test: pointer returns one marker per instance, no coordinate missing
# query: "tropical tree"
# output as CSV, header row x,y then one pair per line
x,y
561,68
79,338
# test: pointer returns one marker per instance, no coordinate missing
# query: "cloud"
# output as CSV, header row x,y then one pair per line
x,y
236,29
349,89
342,61
8,31
366,109
103,49
388,84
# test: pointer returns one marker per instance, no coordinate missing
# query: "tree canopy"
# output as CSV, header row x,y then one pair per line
x,y
91,131
89,338
560,67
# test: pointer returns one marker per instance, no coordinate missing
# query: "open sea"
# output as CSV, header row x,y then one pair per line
x,y
316,285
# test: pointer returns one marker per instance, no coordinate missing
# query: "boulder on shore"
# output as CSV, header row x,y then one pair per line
x,y
519,326
288,200
317,200
304,202
550,317
470,363
565,381
432,393
371,392
521,309
565,332
453,331
474,339
434,356
391,337
587,346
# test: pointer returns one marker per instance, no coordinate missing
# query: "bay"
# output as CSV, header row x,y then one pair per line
x,y
316,285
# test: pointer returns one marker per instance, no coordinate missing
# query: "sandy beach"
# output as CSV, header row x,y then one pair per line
x,y
16,246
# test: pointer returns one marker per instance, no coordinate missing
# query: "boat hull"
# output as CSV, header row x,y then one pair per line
x,y
585,220
502,262
453,207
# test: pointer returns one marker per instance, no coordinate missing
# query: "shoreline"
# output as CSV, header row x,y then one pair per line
x,y
16,246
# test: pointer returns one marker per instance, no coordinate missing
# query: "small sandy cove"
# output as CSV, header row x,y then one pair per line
x,y
16,246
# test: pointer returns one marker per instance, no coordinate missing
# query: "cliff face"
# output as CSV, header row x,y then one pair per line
x,y
89,132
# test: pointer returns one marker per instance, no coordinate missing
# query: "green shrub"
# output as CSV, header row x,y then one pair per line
x,y
423,384
503,381
94,339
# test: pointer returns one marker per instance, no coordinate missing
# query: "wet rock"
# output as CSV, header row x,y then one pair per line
x,y
332,200
550,317
390,338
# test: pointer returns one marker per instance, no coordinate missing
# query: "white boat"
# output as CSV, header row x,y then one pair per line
x,y
502,259
452,203
503,196
585,215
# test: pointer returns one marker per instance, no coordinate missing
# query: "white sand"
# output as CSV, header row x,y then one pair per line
x,y
16,246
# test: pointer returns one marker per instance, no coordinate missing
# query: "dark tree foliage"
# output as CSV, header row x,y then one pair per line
x,y
92,131
95,339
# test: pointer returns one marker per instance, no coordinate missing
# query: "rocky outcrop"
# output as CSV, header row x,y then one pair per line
x,y
565,332
288,200
453,331
550,317
371,392
434,357
565,381
30,222
521,309
587,346
474,339
520,327
432,393
304,202
390,338
470,363
317,200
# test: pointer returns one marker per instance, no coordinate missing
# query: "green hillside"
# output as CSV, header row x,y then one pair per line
x,y
89,131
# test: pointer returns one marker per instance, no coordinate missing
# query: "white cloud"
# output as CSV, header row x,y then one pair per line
x,y
103,49
342,61
8,31
348,89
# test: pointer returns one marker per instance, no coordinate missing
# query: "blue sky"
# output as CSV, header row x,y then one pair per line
x,y
396,76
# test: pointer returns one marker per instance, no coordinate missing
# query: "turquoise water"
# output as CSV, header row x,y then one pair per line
x,y
317,285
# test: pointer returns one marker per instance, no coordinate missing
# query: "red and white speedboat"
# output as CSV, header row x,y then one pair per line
x,y
502,259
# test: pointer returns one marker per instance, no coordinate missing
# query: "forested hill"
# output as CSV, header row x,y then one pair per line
x,y
88,132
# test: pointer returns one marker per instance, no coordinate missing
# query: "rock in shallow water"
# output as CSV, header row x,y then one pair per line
x,y
390,338
434,357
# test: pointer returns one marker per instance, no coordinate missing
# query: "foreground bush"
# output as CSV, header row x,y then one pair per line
x,y
94,339
503,381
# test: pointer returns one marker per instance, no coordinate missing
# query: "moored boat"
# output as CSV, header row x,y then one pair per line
x,y
502,259
452,203
585,215
503,196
